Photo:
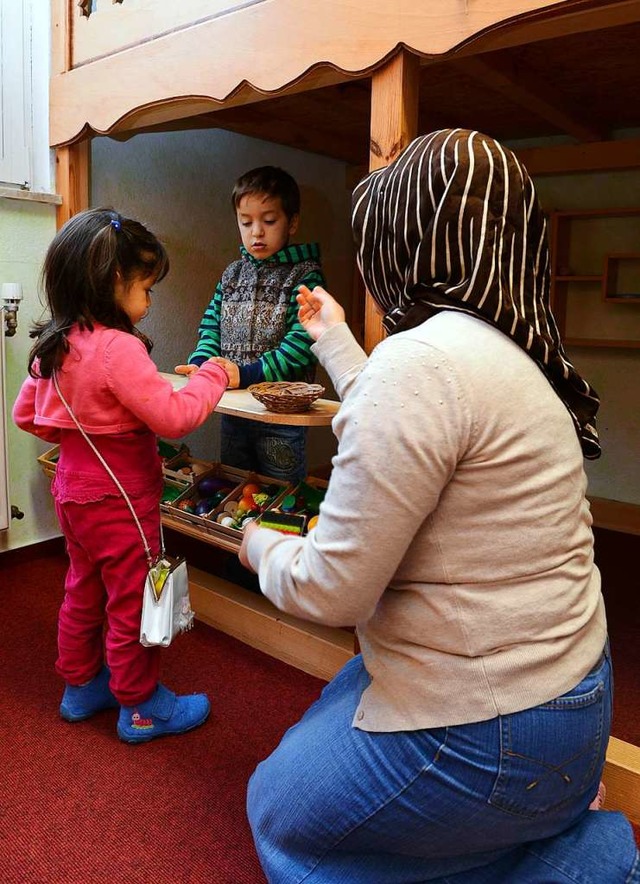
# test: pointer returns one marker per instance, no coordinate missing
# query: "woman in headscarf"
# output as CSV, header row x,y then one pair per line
x,y
466,742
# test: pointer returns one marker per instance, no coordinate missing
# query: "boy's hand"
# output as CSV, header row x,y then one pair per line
x,y
187,370
231,369
318,311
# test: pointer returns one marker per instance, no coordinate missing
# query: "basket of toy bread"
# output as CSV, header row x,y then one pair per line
x,y
286,397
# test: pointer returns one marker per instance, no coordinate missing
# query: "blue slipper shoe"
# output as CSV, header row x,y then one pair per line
x,y
162,714
82,701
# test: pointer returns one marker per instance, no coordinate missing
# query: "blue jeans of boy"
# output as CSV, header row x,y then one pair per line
x,y
504,800
274,450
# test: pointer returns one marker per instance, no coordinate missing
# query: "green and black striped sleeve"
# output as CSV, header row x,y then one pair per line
x,y
208,331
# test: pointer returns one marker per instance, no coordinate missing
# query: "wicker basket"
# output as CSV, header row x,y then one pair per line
x,y
285,397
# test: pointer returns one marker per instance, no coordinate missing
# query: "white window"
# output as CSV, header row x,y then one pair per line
x,y
24,73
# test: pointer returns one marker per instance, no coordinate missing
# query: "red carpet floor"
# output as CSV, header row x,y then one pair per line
x,y
77,806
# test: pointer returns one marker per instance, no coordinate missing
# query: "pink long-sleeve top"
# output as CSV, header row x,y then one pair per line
x,y
114,387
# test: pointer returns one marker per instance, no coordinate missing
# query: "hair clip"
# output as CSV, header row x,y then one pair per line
x,y
115,223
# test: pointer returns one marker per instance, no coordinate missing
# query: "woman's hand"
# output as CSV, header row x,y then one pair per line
x,y
232,370
247,531
318,311
187,370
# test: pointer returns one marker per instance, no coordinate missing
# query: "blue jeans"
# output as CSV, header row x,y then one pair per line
x,y
504,800
274,450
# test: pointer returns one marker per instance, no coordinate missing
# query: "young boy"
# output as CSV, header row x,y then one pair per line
x,y
252,320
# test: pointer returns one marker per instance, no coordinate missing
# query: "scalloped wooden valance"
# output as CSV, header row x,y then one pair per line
x,y
132,64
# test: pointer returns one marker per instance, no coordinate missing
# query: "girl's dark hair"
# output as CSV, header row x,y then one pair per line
x,y
79,275
273,182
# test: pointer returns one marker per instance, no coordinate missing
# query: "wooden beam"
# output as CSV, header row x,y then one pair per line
x,y
603,156
394,123
568,17
536,99
72,179
615,515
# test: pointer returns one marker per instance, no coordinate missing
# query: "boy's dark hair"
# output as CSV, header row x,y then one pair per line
x,y
79,276
271,181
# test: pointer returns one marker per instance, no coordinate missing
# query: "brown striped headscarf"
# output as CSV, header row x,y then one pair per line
x,y
454,223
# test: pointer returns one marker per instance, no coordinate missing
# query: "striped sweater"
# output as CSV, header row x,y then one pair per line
x,y
252,318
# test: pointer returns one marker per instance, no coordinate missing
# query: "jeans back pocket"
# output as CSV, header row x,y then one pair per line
x,y
553,753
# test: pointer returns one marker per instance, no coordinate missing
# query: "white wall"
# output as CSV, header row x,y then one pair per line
x,y
26,229
179,184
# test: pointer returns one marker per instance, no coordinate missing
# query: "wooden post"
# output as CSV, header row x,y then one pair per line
x,y
394,123
72,179
72,161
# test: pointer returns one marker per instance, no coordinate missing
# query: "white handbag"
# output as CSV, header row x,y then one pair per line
x,y
166,607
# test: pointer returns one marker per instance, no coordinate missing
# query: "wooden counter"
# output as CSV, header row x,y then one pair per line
x,y
240,403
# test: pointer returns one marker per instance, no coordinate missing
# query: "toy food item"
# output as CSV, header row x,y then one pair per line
x,y
251,488
186,506
211,485
204,506
288,504
283,522
170,492
255,499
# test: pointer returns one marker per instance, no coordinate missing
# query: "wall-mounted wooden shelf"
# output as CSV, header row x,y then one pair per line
x,y
592,261
621,281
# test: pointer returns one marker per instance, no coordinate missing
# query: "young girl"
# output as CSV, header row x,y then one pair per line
x,y
98,274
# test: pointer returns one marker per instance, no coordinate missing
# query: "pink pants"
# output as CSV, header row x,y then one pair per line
x,y
100,613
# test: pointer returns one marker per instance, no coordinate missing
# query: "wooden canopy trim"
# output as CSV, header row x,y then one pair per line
x,y
200,68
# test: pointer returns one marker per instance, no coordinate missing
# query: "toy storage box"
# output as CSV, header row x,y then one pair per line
x,y
206,522
280,490
49,460
184,468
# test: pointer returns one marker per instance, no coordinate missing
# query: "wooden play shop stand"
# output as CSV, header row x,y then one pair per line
x,y
355,81
319,650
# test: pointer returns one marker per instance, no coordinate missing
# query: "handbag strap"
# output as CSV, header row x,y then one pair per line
x,y
112,474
